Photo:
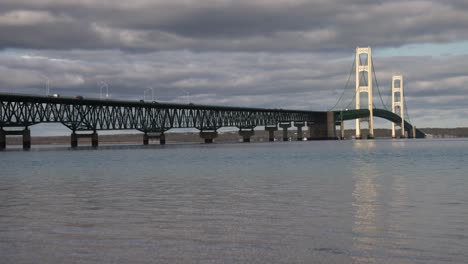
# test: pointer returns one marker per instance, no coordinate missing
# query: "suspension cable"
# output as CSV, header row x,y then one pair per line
x,y
406,110
352,100
346,86
377,83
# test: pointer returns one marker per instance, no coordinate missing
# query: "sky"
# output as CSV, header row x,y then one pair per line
x,y
261,53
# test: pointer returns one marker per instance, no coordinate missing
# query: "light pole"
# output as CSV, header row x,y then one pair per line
x,y
152,93
104,85
47,81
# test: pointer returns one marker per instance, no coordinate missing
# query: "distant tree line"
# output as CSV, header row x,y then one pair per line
x,y
446,132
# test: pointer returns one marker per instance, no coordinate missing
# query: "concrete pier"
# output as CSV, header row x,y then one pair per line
x,y
26,133
402,133
323,128
299,126
94,139
148,135
316,130
342,130
271,132
331,127
246,134
26,139
285,127
208,136
74,139
2,139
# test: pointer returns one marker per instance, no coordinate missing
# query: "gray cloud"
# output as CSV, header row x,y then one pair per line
x,y
281,54
229,25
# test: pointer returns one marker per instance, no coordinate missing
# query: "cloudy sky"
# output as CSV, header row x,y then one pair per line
x,y
264,53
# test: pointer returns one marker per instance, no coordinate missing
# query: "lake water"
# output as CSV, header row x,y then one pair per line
x,y
382,201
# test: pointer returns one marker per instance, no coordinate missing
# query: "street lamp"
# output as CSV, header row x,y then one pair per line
x,y
47,81
152,93
104,85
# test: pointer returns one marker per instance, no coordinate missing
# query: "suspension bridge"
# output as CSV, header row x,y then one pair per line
x,y
365,76
85,117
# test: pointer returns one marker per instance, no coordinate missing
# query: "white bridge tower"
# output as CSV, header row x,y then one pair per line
x,y
398,106
364,85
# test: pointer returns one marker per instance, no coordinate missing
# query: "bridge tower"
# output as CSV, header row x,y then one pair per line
x,y
398,106
364,85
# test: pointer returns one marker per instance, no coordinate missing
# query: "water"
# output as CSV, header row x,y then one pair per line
x,y
401,201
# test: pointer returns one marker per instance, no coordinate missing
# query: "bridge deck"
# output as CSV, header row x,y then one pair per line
x,y
102,114
95,114
133,103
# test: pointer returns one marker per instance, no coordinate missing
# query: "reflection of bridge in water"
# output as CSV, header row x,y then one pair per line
x,y
84,117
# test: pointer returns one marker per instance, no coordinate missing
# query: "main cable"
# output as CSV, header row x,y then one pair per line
x,y
377,83
346,86
406,110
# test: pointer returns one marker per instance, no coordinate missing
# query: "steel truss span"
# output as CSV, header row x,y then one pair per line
x,y
91,115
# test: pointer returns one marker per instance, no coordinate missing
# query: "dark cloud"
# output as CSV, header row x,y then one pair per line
x,y
281,54
256,25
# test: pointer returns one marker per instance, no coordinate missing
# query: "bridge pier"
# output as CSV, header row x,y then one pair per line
x,y
317,131
299,125
74,139
331,127
94,139
246,134
371,134
402,132
26,133
208,136
2,139
271,132
147,136
342,130
323,128
26,139
285,126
